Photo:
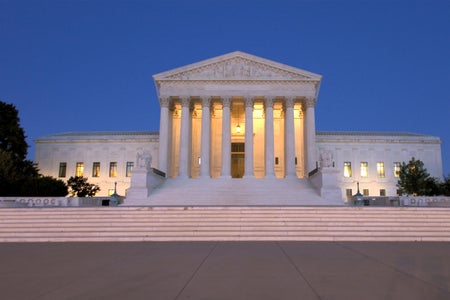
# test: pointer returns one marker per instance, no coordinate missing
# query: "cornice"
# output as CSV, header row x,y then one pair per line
x,y
235,81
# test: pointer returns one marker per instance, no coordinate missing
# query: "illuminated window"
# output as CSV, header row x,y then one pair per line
x,y
130,165
347,169
96,169
79,169
365,192
397,166
62,169
110,192
113,169
348,192
364,169
380,169
382,192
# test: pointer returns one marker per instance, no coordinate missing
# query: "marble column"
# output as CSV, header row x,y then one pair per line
x,y
164,134
289,137
226,138
205,138
248,172
185,138
269,139
310,136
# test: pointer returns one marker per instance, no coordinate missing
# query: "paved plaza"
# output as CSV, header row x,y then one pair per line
x,y
225,270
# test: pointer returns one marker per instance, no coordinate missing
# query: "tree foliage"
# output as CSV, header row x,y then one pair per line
x,y
19,176
12,136
445,186
415,180
81,188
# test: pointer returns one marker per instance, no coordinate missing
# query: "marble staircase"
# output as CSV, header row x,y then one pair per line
x,y
224,223
227,191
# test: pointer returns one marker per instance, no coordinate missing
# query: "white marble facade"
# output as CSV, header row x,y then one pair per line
x,y
238,115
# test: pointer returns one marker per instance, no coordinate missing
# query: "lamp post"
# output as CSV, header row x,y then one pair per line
x,y
358,197
114,199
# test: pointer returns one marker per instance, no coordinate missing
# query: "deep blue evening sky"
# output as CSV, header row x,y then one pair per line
x,y
87,65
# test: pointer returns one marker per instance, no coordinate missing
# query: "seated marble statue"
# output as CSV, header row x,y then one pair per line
x,y
144,160
326,159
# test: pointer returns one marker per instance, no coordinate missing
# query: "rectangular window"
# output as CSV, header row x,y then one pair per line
x,y
347,169
62,169
130,166
79,169
397,166
276,160
348,192
380,169
96,169
113,169
364,169
365,192
382,192
110,192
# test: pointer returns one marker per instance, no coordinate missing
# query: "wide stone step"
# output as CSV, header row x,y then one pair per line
x,y
224,223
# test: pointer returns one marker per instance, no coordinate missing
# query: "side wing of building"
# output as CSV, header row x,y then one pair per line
x,y
103,157
373,158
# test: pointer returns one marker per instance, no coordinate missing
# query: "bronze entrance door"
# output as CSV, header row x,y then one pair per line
x,y
237,160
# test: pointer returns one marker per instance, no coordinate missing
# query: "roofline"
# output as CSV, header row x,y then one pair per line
x,y
199,64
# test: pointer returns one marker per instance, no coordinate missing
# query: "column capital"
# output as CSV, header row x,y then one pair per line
x,y
164,101
268,102
226,101
185,101
206,101
309,102
248,102
289,102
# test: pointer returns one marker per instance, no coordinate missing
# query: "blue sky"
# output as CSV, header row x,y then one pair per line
x,y
87,65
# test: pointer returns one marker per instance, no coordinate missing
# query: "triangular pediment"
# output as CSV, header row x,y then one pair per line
x,y
237,66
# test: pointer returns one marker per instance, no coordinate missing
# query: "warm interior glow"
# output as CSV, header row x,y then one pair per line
x,y
238,128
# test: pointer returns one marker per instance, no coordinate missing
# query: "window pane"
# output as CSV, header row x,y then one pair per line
x,y
365,192
112,169
382,192
62,169
347,169
96,169
79,169
380,169
129,168
364,169
396,169
348,192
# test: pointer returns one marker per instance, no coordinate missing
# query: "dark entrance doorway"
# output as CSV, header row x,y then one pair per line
x,y
237,160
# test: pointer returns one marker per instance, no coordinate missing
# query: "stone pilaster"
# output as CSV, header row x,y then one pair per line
x,y
185,137
226,138
248,172
310,133
164,134
205,138
269,139
289,136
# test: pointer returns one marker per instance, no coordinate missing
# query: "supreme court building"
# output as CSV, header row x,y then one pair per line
x,y
239,116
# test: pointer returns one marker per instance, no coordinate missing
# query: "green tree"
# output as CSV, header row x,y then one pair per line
x,y
42,186
81,188
19,176
415,180
12,136
445,186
